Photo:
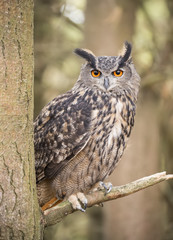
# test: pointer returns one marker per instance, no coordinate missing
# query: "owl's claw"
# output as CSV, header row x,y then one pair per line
x,y
106,186
76,200
85,205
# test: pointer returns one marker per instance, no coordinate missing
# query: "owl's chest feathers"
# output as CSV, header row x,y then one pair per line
x,y
112,123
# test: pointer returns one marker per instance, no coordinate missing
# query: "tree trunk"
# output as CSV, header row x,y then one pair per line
x,y
19,211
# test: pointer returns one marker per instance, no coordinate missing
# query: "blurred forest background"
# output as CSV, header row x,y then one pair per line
x,y
103,26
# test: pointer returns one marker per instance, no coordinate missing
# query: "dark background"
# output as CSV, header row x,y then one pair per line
x,y
102,26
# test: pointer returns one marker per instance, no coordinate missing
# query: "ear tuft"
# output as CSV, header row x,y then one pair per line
x,y
125,55
87,55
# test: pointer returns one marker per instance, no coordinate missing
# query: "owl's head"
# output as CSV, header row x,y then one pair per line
x,y
109,73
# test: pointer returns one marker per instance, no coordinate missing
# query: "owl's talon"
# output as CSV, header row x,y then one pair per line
x,y
81,209
106,186
76,200
85,205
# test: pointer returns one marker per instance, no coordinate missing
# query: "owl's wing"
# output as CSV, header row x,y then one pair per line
x,y
60,132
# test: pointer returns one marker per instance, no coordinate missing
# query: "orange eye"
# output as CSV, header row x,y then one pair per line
x,y
95,73
118,73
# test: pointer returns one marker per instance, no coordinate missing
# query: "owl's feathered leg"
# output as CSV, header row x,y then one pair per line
x,y
77,199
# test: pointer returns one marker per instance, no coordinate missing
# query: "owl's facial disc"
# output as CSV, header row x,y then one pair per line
x,y
106,80
108,73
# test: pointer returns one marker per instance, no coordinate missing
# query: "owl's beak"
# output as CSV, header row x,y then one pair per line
x,y
106,82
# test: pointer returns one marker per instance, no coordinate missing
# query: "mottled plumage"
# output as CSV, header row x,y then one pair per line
x,y
81,135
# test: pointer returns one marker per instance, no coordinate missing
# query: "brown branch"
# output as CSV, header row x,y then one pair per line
x,y
57,213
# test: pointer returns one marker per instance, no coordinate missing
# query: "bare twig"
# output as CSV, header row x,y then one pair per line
x,y
57,213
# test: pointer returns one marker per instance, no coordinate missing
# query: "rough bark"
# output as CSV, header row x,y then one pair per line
x,y
19,211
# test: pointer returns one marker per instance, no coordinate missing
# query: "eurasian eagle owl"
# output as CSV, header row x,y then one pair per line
x,y
81,135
